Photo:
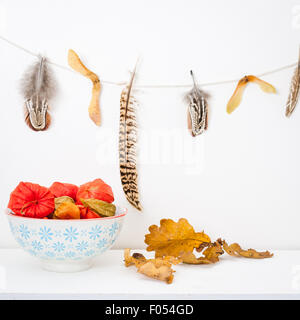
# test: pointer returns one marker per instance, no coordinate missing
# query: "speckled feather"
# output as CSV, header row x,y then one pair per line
x,y
127,145
294,90
37,88
197,110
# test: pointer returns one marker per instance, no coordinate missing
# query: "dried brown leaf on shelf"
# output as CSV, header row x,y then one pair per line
x,y
76,64
159,268
135,259
210,255
175,242
236,250
173,238
179,239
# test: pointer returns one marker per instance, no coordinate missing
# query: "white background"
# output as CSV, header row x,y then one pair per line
x,y
240,180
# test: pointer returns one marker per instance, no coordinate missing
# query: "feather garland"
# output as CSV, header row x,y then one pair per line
x,y
38,87
197,110
127,144
294,90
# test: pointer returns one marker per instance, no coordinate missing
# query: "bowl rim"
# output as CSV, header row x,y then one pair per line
x,y
9,213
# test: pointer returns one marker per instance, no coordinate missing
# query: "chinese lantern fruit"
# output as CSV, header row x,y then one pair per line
x,y
31,200
67,210
58,201
64,189
86,213
96,189
92,215
102,208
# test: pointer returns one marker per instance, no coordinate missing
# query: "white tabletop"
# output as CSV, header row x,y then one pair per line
x,y
21,277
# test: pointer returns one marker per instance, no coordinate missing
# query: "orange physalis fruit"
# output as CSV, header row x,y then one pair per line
x,y
67,210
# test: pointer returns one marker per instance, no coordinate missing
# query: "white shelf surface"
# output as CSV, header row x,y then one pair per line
x,y
21,277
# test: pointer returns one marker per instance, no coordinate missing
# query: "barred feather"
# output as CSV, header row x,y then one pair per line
x,y
197,110
37,87
294,90
127,145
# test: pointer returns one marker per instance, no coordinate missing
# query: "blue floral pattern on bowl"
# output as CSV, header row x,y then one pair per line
x,y
66,240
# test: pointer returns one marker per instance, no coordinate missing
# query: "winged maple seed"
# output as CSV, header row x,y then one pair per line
x,y
94,108
236,98
175,242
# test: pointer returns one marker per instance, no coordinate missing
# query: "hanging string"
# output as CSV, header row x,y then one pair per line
x,y
157,86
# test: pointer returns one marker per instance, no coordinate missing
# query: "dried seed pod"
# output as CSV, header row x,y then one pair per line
x,y
94,108
100,207
58,201
236,98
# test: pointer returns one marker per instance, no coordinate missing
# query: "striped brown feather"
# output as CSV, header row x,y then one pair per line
x,y
294,90
127,145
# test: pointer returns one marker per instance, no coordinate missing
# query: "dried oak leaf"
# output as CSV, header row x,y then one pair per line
x,y
135,259
210,255
236,250
172,239
159,268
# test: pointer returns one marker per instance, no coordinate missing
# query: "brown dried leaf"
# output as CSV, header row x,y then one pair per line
x,y
159,268
236,250
135,259
211,255
174,243
94,108
171,238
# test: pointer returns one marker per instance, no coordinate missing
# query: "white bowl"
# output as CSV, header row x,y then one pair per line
x,y
66,245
